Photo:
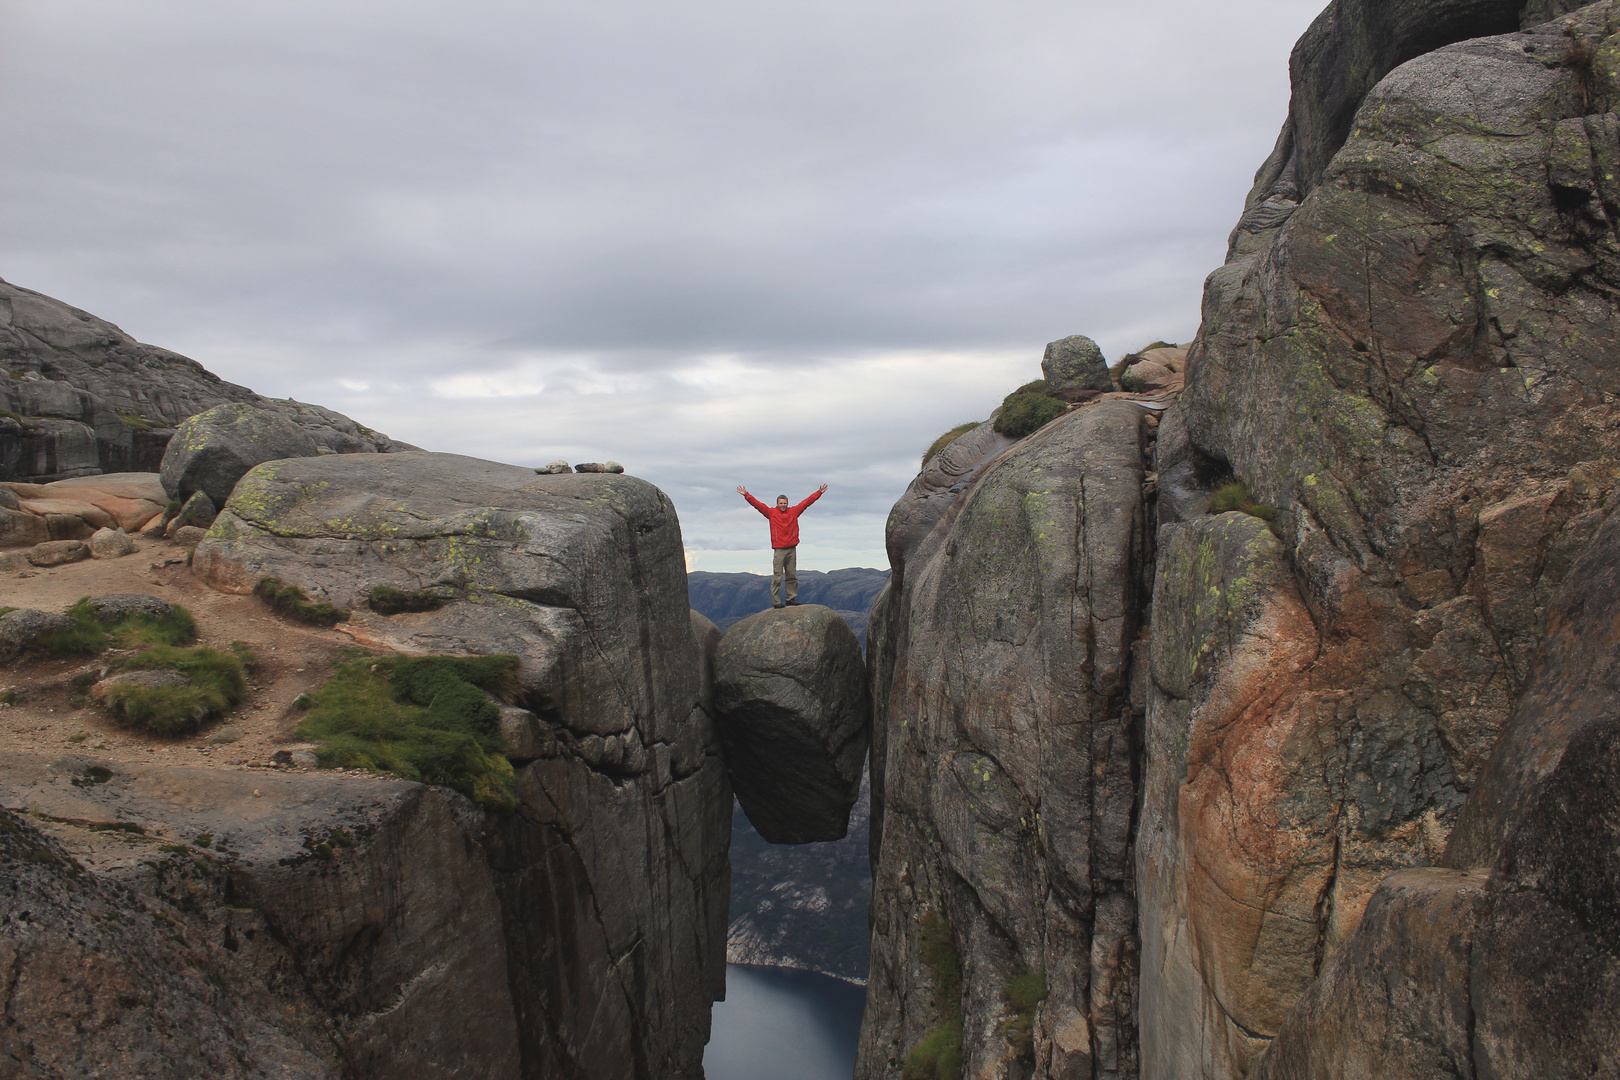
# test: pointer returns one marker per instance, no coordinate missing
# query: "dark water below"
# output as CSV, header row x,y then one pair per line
x,y
778,1024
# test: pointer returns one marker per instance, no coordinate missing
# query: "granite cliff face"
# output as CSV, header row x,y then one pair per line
x,y
1325,804
78,396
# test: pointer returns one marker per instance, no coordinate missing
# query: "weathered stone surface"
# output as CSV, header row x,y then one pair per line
x,y
111,607
1409,354
198,511
1576,683
1075,363
1236,891
103,981
189,535
1394,1001
110,544
1002,779
388,952
791,696
211,451
936,489
1514,975
92,400
58,552
599,467
20,528
19,629
612,874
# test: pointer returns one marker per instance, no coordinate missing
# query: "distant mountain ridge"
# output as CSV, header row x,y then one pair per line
x,y
727,599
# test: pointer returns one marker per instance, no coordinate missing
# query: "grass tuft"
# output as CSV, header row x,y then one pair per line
x,y
216,682
87,636
939,1055
1024,994
1024,413
424,718
289,600
1235,496
946,439
386,601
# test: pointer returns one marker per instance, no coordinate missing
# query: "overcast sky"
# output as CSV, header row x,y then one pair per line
x,y
757,242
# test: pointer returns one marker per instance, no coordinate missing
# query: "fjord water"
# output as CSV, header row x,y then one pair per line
x,y
781,1024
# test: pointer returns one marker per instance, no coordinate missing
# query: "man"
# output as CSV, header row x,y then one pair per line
x,y
784,521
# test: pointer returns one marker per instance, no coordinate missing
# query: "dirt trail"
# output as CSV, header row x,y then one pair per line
x,y
292,659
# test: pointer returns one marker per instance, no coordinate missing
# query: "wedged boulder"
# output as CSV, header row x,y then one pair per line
x,y
211,451
794,709
618,846
1075,363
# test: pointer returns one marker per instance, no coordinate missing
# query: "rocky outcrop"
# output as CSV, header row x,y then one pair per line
x,y
356,917
74,509
1075,363
107,980
1003,746
1503,966
794,709
211,451
611,876
1408,356
78,396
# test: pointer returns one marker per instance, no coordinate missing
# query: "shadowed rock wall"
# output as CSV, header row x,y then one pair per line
x,y
1409,354
1003,758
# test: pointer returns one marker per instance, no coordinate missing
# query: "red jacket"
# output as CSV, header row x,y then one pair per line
x,y
784,523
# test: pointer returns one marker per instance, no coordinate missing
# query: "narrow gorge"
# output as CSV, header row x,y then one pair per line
x,y
1251,714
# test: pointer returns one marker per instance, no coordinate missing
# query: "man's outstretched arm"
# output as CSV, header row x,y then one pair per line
x,y
814,495
761,507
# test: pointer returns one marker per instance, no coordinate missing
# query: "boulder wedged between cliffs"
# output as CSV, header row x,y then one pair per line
x,y
794,711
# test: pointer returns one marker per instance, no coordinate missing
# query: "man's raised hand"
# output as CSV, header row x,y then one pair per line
x,y
822,489
741,490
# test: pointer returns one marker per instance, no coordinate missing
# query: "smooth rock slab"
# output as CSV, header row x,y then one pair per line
x,y
795,718
211,451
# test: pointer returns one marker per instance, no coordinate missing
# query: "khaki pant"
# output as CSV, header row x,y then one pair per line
x,y
784,561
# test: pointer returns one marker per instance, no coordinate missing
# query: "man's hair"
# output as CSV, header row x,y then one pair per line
x,y
779,498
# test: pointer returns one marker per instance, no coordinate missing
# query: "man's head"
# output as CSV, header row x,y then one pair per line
x,y
781,502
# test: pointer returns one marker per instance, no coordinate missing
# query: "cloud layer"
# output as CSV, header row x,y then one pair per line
x,y
771,243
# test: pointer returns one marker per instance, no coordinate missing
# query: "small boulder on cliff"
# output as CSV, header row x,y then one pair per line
x,y
1075,363
795,718
211,451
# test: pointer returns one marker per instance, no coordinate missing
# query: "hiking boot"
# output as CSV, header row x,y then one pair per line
x,y
792,603
780,604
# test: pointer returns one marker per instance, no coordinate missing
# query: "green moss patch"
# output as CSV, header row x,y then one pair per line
x,y
946,439
939,1055
1235,496
215,683
424,718
289,600
87,636
1024,412
1024,994
386,601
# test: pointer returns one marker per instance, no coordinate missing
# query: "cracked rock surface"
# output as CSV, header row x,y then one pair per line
x,y
1409,354
1003,765
611,878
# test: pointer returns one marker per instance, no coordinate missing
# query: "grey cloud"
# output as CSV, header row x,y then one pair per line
x,y
392,193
